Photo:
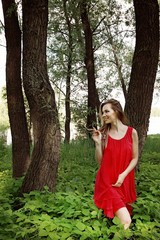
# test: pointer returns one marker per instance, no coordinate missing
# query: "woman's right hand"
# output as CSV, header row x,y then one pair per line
x,y
96,136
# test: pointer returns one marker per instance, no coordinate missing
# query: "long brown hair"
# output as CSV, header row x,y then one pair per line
x,y
116,106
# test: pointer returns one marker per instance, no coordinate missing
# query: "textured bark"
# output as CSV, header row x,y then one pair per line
x,y
16,110
89,63
144,67
44,116
68,79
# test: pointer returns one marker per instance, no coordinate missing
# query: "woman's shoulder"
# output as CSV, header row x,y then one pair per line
x,y
132,130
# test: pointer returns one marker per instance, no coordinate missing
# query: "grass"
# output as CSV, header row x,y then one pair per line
x,y
152,144
70,213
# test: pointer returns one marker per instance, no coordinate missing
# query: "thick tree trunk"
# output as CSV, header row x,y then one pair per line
x,y
16,110
89,63
44,116
144,67
68,79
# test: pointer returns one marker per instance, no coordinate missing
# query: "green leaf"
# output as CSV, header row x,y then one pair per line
x,y
94,213
89,229
43,233
116,221
80,226
86,212
96,228
65,235
53,235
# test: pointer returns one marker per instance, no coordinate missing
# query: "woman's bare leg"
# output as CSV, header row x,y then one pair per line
x,y
124,217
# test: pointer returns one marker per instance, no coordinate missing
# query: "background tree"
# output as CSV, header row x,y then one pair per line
x,y
16,110
68,76
144,67
41,98
116,47
102,17
63,58
89,63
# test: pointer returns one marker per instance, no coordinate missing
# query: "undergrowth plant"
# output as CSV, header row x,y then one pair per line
x,y
70,213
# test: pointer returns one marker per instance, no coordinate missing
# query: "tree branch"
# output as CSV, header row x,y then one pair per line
x,y
98,24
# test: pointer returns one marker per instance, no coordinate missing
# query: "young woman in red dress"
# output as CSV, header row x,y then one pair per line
x,y
116,150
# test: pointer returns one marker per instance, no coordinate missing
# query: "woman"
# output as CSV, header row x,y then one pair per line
x,y
116,150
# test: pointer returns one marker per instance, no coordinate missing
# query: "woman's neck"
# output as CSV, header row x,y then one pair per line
x,y
116,126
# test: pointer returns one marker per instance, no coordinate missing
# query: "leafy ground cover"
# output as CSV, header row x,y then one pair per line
x,y
70,213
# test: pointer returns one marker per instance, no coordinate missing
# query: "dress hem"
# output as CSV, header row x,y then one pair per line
x,y
109,212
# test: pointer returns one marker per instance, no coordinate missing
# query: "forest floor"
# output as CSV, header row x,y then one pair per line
x,y
70,213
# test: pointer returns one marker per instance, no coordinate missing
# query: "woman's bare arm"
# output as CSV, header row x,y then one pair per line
x,y
97,137
98,152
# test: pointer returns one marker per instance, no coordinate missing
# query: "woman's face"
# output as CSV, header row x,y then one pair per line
x,y
108,114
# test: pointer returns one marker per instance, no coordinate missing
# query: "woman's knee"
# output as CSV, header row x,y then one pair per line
x,y
127,223
127,220
124,217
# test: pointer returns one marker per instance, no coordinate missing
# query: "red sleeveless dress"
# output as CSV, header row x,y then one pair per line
x,y
116,158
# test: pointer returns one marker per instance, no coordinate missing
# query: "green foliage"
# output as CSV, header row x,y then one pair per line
x,y
152,144
70,213
113,35
5,156
4,121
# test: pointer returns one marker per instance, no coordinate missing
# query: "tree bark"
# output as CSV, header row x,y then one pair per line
x,y
68,78
144,67
44,115
89,63
15,101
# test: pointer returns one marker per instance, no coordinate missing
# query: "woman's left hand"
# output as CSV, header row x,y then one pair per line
x,y
120,180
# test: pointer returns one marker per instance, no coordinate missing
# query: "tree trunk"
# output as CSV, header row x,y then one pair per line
x,y
16,109
89,63
144,67
68,79
44,116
